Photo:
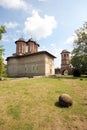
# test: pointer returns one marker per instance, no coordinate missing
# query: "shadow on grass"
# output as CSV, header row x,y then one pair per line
x,y
68,77
58,105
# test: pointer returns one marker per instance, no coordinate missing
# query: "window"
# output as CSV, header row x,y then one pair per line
x,y
64,55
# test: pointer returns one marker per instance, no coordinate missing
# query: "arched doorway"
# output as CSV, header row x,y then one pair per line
x,y
65,72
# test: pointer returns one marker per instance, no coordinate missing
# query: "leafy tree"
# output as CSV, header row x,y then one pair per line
x,y
2,30
1,60
76,73
79,53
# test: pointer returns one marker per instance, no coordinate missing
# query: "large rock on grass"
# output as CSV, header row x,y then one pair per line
x,y
65,100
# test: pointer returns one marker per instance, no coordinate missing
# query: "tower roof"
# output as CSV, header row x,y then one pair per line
x,y
65,51
31,40
20,40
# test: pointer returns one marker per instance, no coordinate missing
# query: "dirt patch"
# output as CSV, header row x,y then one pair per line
x,y
80,123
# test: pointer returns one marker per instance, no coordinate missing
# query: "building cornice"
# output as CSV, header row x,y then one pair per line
x,y
31,54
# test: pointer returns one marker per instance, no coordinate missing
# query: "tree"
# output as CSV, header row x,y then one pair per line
x,y
76,73
79,53
1,60
2,30
57,70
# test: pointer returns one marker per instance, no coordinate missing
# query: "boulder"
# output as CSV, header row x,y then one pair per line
x,y
65,100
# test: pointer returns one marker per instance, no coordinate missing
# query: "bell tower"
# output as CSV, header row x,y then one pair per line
x,y
65,62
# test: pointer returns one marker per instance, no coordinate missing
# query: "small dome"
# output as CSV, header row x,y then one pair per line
x,y
65,51
31,40
20,40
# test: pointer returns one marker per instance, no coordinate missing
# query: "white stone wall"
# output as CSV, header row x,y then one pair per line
x,y
49,65
34,65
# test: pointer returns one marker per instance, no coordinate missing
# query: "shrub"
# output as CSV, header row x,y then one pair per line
x,y
76,73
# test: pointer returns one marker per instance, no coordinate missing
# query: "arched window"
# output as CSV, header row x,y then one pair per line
x,y
64,55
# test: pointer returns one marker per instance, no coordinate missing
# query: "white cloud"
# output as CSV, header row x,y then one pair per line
x,y
14,39
5,38
71,39
14,4
18,31
52,45
39,27
11,25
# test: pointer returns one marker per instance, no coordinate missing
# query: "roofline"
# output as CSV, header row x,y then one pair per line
x,y
19,41
27,54
65,52
27,42
33,42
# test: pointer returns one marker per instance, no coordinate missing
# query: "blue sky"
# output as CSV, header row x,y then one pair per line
x,y
51,23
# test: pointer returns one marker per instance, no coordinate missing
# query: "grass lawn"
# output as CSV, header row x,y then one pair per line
x,y
31,104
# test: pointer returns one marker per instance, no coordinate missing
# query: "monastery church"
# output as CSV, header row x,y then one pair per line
x,y
28,61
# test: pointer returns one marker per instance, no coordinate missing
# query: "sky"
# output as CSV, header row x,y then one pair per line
x,y
51,23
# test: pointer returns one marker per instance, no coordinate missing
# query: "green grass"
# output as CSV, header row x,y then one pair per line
x,y
31,104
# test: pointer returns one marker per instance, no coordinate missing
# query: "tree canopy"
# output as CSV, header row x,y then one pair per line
x,y
79,53
2,30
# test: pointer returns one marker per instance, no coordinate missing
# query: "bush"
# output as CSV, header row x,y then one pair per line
x,y
76,73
